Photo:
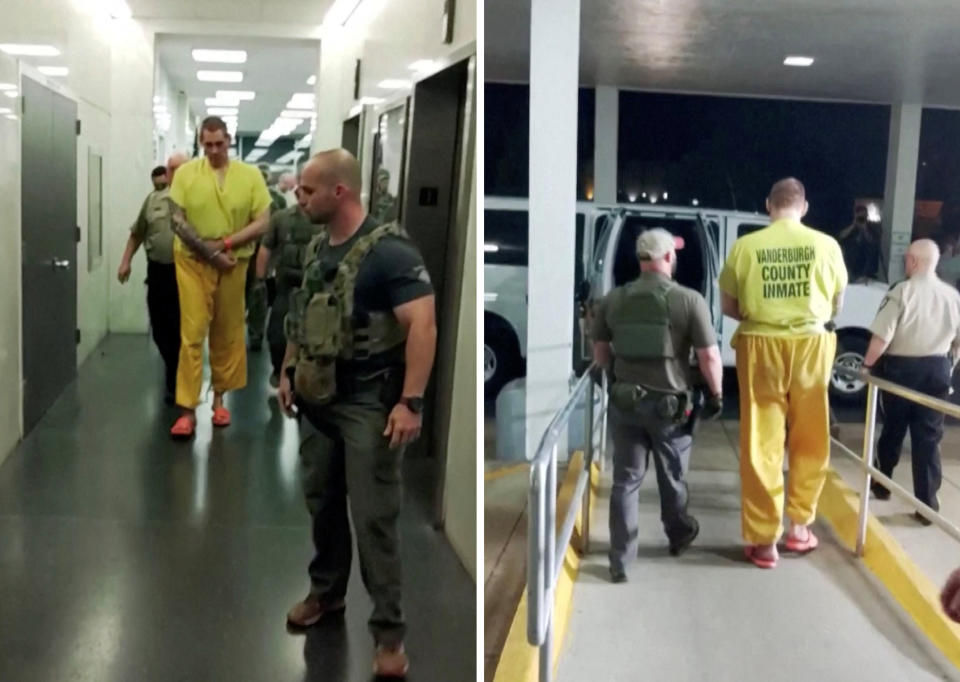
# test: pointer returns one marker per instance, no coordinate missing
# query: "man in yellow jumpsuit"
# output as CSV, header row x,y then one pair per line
x,y
220,208
783,283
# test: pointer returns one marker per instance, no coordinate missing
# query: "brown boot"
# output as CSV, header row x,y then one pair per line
x,y
390,661
307,612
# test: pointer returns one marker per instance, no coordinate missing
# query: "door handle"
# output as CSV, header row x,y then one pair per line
x,y
58,264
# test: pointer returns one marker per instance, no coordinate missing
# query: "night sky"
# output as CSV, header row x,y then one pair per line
x,y
726,152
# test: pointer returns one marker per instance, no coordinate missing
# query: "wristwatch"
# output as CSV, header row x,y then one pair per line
x,y
413,403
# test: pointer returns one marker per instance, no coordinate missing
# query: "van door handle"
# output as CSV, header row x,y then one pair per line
x,y
58,264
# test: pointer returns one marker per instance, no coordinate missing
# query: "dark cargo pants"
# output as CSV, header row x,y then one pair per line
x,y
344,457
637,438
163,305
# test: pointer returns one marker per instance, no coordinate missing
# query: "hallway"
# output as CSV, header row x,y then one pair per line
x,y
126,556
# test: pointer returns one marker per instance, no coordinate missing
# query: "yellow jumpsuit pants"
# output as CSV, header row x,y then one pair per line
x,y
783,382
212,301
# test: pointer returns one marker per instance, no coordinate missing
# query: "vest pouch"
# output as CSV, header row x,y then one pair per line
x,y
627,397
315,379
635,340
322,332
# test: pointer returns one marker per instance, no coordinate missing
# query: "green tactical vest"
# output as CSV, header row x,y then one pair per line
x,y
639,317
295,231
322,322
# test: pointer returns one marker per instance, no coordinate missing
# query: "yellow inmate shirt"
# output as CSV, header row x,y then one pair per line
x,y
785,278
217,212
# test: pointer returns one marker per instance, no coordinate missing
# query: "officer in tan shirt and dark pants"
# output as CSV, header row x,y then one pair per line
x,y
916,336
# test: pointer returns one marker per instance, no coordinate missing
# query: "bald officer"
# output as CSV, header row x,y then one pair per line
x,y
783,283
917,326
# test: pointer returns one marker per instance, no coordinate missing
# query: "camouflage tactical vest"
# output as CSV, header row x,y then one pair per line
x,y
639,317
322,321
294,233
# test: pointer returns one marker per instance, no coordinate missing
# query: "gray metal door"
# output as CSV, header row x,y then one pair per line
x,y
49,218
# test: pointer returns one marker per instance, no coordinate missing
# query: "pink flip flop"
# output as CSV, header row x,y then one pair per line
x,y
802,546
183,427
751,553
221,416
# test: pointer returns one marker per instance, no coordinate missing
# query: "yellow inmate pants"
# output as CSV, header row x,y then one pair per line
x,y
783,381
212,301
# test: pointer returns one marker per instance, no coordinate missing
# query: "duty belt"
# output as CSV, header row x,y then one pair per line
x,y
669,405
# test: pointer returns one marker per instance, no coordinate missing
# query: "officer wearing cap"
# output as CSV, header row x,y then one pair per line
x,y
916,336
643,333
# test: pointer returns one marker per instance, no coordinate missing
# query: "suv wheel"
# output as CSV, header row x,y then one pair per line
x,y
851,350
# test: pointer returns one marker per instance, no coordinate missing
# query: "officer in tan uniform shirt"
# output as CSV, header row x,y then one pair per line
x,y
154,229
916,336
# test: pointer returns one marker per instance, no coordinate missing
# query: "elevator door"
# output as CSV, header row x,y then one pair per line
x,y
49,219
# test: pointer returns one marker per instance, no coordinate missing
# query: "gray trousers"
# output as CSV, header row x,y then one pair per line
x,y
635,439
344,457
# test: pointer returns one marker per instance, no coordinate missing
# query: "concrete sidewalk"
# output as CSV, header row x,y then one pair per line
x,y
711,615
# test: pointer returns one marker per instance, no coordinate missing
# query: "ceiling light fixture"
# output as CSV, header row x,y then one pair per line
x,y
422,65
341,12
7,86
53,70
242,95
312,80
222,111
394,84
21,50
798,61
221,102
220,56
12,117
11,93
296,113
371,100
5,111
220,76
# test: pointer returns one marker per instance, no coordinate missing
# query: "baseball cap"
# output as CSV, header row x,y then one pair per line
x,y
657,243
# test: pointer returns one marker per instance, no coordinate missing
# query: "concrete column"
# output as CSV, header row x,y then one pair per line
x,y
554,79
606,136
901,187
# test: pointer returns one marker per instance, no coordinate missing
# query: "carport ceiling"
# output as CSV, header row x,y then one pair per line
x,y
865,50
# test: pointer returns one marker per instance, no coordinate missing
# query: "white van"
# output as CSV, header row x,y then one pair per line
x,y
607,258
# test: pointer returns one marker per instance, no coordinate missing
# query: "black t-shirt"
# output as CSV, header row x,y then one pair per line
x,y
391,274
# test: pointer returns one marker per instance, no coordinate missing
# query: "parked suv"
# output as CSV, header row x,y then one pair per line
x,y
606,258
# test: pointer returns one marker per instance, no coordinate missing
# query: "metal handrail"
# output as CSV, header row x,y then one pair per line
x,y
874,385
545,550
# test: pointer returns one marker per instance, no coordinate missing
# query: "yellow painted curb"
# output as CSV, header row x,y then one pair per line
x,y
494,474
519,660
887,560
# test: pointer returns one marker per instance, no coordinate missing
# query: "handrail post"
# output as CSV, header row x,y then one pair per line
x,y
546,649
604,406
536,550
588,463
868,436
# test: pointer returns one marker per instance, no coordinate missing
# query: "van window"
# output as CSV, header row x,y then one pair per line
x,y
506,236
690,266
747,228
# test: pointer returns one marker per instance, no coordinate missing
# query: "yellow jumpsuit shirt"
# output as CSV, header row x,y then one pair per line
x,y
786,279
210,300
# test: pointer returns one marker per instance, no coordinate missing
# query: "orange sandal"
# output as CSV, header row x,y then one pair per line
x,y
751,553
221,416
183,427
795,544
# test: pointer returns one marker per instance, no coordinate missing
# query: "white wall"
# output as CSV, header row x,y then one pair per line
x,y
10,379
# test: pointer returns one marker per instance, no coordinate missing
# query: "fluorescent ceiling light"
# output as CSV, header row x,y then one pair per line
x,y
312,80
394,84
798,61
11,93
53,70
220,102
371,100
220,56
21,50
341,12
264,143
300,104
490,248
222,111
242,95
7,86
423,65
5,111
292,155
220,76
296,113
11,117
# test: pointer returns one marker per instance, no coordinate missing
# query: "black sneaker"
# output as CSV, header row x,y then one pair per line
x,y
879,491
679,546
617,575
923,520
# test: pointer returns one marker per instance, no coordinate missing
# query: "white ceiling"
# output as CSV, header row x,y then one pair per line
x,y
865,50
275,70
260,11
